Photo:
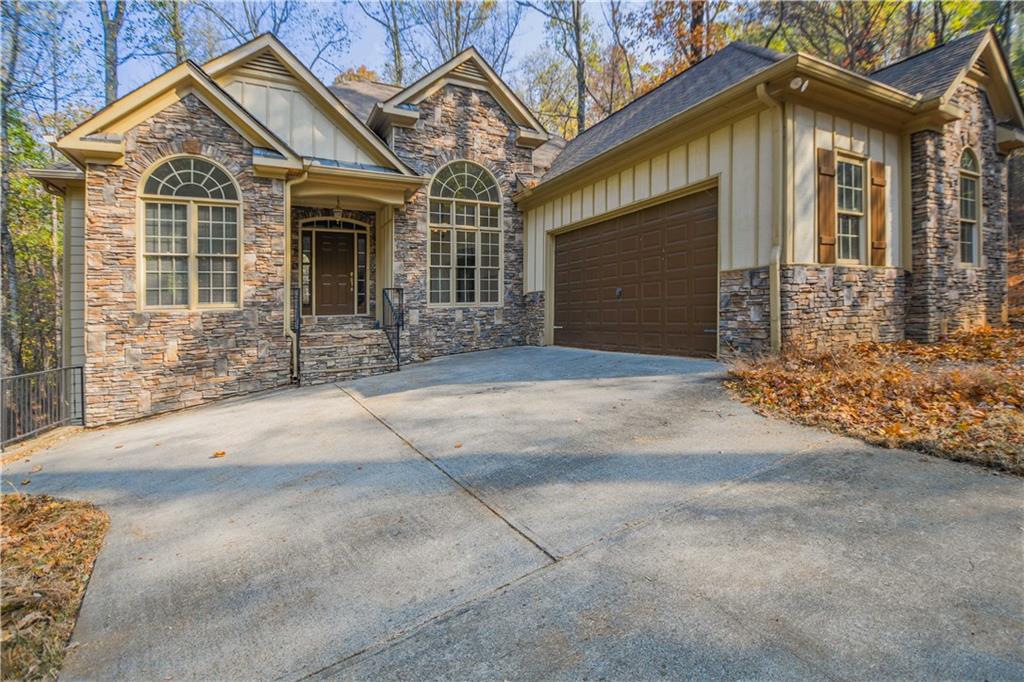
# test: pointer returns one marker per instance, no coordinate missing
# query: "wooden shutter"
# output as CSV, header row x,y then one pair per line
x,y
826,206
877,217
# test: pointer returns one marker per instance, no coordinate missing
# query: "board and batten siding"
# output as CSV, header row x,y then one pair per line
x,y
74,236
293,118
739,154
812,130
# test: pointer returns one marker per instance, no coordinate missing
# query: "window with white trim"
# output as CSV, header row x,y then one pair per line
x,y
191,245
850,210
465,236
970,199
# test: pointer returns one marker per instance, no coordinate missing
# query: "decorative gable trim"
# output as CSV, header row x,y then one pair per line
x,y
467,69
268,57
101,139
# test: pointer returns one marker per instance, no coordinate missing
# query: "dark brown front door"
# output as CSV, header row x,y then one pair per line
x,y
645,282
335,274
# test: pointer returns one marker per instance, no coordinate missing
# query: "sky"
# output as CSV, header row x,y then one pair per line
x,y
367,44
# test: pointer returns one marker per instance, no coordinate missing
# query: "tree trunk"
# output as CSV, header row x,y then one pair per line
x,y
581,66
111,32
177,31
11,363
395,36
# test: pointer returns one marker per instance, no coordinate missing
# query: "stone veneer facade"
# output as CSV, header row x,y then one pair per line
x,y
139,361
462,123
942,294
744,322
826,306
1015,247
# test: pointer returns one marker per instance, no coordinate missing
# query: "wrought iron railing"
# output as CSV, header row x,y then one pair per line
x,y
392,321
37,401
297,330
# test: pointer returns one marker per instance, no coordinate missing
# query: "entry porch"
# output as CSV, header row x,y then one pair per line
x,y
344,314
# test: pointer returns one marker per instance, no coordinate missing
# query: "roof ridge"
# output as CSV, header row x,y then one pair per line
x,y
955,41
758,50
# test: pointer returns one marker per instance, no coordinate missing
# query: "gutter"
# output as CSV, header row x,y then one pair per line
x,y
778,201
288,184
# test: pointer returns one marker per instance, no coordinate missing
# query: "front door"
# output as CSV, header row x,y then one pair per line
x,y
335,274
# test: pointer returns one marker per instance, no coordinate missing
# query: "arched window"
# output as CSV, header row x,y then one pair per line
x,y
970,201
191,227
465,236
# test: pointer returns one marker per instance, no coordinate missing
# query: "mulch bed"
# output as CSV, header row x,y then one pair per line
x,y
47,550
962,398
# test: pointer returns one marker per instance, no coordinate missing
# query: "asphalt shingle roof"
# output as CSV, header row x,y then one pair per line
x,y
930,73
730,65
360,96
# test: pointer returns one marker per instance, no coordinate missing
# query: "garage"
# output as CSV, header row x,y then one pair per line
x,y
643,282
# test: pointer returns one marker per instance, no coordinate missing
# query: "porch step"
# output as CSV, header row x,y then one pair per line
x,y
313,324
340,354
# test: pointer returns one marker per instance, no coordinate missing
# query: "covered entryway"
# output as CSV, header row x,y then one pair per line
x,y
334,257
644,282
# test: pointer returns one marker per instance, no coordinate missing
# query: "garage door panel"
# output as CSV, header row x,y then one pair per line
x,y
643,282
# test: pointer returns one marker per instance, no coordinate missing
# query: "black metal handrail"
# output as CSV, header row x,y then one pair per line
x,y
297,330
392,321
37,401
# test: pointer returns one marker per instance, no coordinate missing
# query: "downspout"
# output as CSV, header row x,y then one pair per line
x,y
288,184
775,259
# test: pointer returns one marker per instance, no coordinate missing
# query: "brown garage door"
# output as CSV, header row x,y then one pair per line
x,y
645,282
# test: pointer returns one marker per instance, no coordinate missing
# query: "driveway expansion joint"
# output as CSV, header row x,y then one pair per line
x,y
468,489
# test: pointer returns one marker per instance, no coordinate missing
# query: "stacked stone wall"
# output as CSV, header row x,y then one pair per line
x,y
462,123
943,294
144,361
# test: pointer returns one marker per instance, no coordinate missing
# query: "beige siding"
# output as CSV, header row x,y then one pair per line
x,y
739,153
288,113
817,129
74,224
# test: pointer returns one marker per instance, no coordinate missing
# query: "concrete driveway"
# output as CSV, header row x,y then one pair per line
x,y
534,513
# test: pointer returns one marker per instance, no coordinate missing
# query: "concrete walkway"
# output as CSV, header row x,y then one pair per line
x,y
534,513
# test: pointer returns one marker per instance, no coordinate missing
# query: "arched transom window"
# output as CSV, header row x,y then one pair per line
x,y
191,226
970,201
465,236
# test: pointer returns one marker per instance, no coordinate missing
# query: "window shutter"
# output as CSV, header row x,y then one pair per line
x,y
877,199
826,206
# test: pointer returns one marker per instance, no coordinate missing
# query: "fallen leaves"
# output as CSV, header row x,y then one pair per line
x,y
218,454
962,398
48,548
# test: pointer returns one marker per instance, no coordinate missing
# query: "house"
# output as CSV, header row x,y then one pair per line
x,y
239,225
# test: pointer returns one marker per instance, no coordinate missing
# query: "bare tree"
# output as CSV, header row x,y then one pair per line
x,y
112,25
393,16
320,27
171,23
568,24
14,21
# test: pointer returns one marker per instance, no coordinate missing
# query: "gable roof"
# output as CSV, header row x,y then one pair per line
x,y
101,136
469,69
931,73
362,96
267,44
730,65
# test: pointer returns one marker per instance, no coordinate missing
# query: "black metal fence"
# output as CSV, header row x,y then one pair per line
x,y
392,320
34,402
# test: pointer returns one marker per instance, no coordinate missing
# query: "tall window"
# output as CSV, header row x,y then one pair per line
x,y
969,199
850,207
465,236
190,244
